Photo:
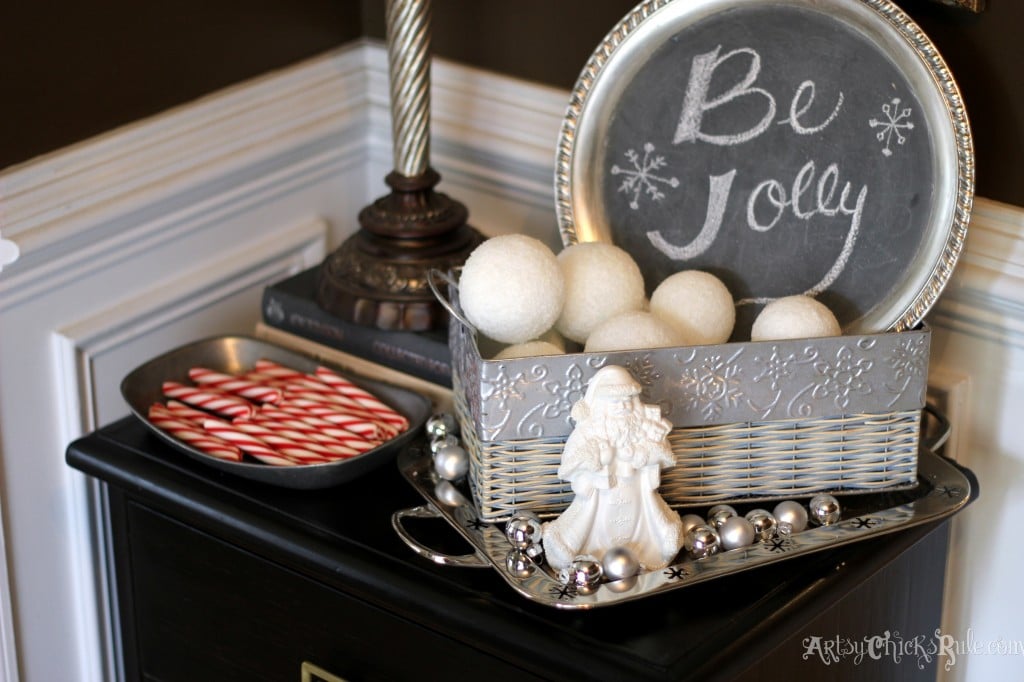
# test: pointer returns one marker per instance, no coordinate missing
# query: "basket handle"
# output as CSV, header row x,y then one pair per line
x,y
433,275
474,560
944,428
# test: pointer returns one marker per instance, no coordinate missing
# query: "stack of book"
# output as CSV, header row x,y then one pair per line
x,y
290,315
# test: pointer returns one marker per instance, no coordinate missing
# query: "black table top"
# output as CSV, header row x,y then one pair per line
x,y
343,538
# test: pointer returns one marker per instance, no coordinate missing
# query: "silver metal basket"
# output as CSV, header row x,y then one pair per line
x,y
751,421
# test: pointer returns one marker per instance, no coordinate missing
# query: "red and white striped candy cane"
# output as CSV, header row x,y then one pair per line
x,y
305,453
339,404
327,435
235,385
320,415
193,435
209,399
310,437
182,411
248,443
361,396
276,371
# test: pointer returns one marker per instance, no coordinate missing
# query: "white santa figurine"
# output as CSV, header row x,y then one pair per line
x,y
613,459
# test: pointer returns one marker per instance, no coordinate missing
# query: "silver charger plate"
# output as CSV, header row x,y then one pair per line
x,y
942,491
631,168
236,354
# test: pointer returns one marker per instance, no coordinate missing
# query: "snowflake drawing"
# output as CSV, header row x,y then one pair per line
x,y
641,178
712,386
776,368
895,124
842,378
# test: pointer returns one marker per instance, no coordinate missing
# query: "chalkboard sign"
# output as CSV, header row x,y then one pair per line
x,y
786,146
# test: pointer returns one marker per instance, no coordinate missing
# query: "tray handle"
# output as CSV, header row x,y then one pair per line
x,y
474,560
433,277
942,429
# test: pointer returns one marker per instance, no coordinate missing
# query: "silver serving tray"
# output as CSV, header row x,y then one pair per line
x,y
943,490
235,354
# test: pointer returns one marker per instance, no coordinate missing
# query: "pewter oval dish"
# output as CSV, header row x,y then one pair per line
x,y
786,146
235,354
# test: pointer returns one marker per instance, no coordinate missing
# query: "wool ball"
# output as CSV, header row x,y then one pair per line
x,y
794,317
601,281
632,331
554,338
698,305
528,349
511,288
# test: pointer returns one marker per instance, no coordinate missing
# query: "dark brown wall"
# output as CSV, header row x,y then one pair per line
x,y
72,70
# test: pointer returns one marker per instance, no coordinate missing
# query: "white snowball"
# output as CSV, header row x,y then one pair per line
x,y
511,288
632,331
601,281
794,317
528,349
698,305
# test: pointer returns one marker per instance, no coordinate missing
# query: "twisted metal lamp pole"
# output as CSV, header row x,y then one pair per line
x,y
377,277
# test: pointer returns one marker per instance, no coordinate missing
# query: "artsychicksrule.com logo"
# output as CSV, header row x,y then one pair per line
x,y
921,650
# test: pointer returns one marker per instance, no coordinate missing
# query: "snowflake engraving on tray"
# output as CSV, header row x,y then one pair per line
x,y
710,384
643,177
896,121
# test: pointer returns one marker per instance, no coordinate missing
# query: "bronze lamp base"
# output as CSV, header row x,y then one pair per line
x,y
378,276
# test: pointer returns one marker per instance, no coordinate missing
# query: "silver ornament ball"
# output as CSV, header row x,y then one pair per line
x,y
736,532
584,571
691,521
441,424
701,541
451,462
792,513
439,442
722,507
523,530
519,564
763,523
783,529
824,510
718,517
619,563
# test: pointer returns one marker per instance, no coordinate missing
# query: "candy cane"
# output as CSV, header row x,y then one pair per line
x,y
304,431
249,444
294,394
235,385
182,411
361,396
305,452
193,434
324,416
276,371
209,399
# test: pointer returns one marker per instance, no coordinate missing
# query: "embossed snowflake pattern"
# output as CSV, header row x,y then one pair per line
x,y
895,123
712,386
776,368
909,358
504,388
843,378
642,177
565,394
909,361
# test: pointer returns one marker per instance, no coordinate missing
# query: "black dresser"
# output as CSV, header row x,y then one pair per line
x,y
220,578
